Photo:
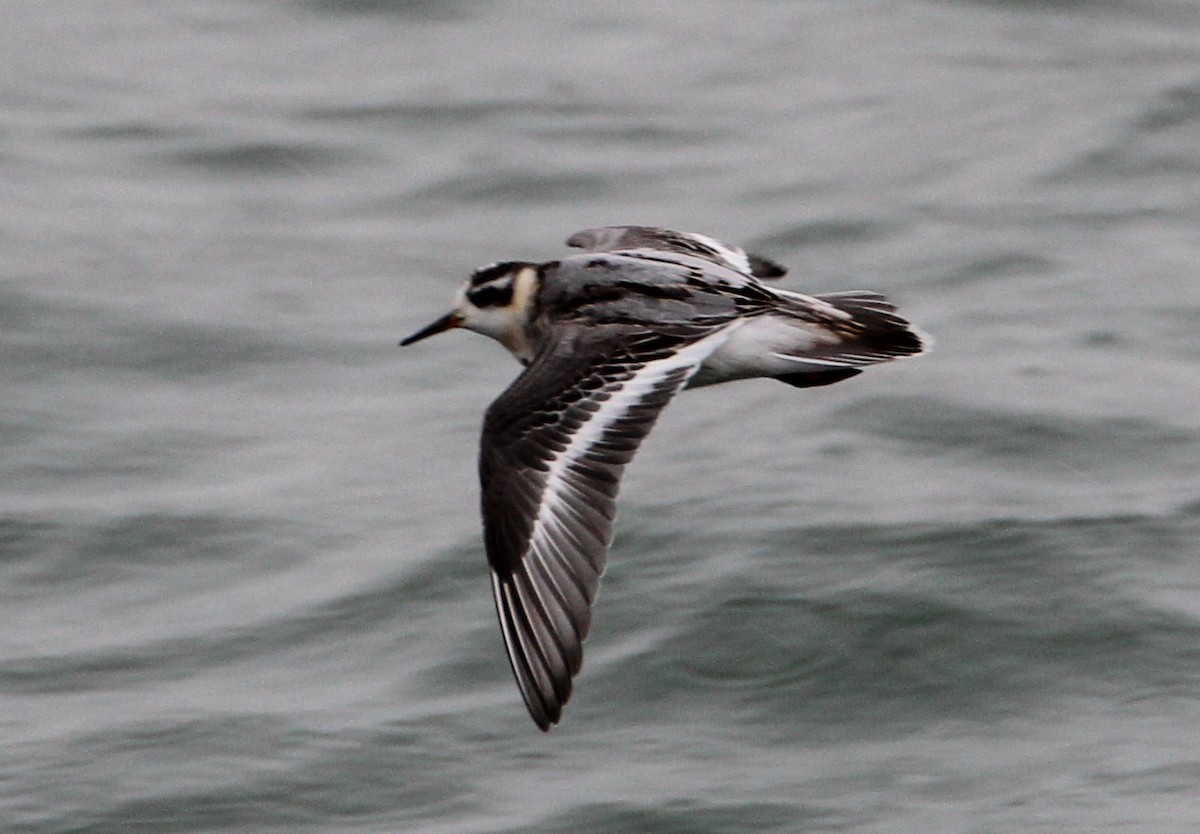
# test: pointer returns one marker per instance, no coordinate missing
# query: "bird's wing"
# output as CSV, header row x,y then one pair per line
x,y
665,292
554,446
633,238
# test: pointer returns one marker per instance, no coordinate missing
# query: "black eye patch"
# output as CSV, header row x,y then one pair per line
x,y
490,273
492,295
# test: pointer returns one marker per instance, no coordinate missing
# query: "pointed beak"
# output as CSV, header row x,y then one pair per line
x,y
446,322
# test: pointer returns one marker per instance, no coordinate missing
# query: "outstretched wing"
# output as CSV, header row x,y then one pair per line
x,y
555,444
632,238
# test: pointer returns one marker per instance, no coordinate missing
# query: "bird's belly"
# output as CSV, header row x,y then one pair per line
x,y
757,347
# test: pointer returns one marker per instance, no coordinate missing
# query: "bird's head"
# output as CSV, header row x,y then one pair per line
x,y
495,301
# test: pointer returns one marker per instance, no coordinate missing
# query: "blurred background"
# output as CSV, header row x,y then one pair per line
x,y
242,586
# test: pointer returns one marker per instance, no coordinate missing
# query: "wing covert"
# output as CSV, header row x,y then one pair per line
x,y
632,238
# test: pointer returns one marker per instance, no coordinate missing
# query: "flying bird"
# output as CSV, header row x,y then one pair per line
x,y
607,338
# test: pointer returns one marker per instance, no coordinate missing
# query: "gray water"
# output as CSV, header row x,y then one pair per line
x,y
242,586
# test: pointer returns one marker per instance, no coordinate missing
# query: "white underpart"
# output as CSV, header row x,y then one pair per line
x,y
609,412
766,346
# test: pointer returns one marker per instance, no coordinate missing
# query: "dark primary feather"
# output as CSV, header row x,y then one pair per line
x,y
545,574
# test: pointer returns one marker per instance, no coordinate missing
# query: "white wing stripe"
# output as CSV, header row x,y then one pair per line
x,y
609,412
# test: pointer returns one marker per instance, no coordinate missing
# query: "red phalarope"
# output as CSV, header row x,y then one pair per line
x,y
607,339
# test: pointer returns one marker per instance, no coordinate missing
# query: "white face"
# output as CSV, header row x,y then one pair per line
x,y
492,321
485,301
495,302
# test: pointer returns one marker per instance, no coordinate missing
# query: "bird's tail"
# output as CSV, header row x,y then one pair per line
x,y
878,331
874,333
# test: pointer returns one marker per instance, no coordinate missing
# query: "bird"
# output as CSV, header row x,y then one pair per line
x,y
607,337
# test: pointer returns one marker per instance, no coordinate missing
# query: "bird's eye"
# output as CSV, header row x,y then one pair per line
x,y
491,295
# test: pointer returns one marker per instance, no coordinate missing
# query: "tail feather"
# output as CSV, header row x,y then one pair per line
x,y
876,333
873,333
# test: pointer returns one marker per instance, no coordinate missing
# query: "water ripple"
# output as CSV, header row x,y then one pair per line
x,y
92,338
898,626
277,159
1032,438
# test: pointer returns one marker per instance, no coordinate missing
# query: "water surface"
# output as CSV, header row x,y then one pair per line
x,y
240,569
